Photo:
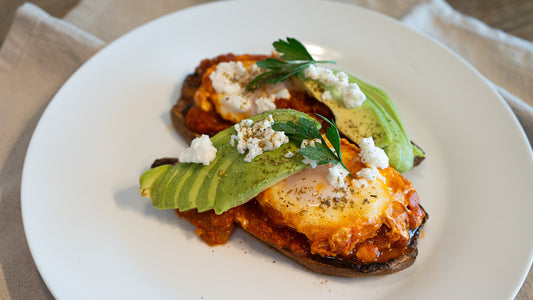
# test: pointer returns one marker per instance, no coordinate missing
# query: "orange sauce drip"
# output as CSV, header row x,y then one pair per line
x,y
216,229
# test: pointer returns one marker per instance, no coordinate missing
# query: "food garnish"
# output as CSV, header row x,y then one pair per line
x,y
294,59
319,152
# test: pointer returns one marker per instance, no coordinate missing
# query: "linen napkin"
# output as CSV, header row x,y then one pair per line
x,y
38,55
41,52
505,60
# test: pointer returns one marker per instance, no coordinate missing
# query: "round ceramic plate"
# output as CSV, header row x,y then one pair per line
x,y
92,236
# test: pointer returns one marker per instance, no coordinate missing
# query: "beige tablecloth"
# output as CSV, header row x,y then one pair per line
x,y
41,52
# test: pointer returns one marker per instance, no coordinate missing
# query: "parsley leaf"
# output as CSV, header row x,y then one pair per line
x,y
292,130
279,71
320,152
294,59
307,130
292,49
332,134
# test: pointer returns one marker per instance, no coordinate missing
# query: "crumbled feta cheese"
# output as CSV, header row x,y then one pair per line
x,y
233,139
311,72
237,103
374,158
310,143
254,70
371,155
326,96
200,151
226,77
311,162
264,104
351,94
342,79
230,79
360,183
337,175
283,94
369,174
289,154
257,138
327,77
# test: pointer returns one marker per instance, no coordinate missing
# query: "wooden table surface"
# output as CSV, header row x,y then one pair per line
x,y
512,16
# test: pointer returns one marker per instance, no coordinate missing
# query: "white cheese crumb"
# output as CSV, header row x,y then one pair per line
x,y
257,138
337,175
371,155
311,72
264,104
309,143
200,151
289,154
230,79
254,70
237,103
283,94
360,183
374,158
351,94
326,96
226,77
369,174
342,79
311,162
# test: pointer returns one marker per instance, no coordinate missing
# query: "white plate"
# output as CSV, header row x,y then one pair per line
x,y
92,236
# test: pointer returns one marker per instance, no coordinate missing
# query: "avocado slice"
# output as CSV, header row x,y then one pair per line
x,y
228,181
384,100
376,117
150,177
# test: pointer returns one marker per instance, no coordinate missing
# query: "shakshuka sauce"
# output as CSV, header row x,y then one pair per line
x,y
216,229
208,121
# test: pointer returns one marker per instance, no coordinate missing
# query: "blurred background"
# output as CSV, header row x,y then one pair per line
x,y
512,16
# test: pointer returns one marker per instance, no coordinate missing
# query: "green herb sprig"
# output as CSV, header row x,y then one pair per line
x,y
307,130
294,59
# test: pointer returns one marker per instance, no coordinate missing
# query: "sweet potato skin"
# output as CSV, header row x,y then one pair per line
x,y
333,266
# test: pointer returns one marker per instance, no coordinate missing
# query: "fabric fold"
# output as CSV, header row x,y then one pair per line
x,y
109,19
504,60
39,53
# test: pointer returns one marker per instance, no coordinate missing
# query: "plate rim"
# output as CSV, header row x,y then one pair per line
x,y
102,52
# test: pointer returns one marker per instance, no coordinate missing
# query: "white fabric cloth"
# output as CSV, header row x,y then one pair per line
x,y
37,56
504,60
41,52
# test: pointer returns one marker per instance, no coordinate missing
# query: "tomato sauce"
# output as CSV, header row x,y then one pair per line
x,y
208,121
216,229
